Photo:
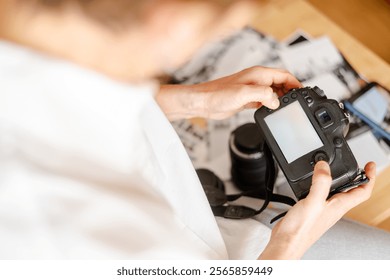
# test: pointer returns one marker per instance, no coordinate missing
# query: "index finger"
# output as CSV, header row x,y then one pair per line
x,y
286,79
269,77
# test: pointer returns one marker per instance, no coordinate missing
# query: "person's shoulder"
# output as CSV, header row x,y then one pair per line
x,y
23,65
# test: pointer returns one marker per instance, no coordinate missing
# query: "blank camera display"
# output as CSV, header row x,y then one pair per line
x,y
293,131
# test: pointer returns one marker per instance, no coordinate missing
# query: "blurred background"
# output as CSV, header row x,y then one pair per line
x,y
366,20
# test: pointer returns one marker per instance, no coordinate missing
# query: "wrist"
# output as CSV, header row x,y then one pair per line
x,y
283,248
180,101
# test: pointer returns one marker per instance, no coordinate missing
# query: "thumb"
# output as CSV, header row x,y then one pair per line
x,y
321,182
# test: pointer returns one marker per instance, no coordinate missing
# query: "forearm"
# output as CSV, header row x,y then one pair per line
x,y
281,250
224,97
180,101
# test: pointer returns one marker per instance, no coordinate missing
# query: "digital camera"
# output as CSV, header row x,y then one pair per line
x,y
307,128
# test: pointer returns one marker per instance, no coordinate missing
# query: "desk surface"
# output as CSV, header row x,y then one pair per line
x,y
280,18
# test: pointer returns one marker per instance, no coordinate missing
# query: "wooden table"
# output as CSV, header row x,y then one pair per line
x,y
280,18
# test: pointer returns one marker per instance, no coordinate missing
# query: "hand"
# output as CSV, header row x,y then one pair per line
x,y
222,98
311,217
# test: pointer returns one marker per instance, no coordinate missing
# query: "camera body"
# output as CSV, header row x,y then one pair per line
x,y
307,128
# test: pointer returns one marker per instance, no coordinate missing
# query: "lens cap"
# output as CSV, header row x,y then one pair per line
x,y
247,138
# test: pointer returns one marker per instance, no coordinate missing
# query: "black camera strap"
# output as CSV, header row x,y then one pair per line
x,y
232,211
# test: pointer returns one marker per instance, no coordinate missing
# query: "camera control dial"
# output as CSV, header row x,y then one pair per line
x,y
319,91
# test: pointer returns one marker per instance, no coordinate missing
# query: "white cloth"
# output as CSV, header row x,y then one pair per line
x,y
91,168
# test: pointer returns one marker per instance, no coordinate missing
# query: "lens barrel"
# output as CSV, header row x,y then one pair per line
x,y
248,162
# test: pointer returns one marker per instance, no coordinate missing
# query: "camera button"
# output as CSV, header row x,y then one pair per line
x,y
338,142
293,95
309,100
320,156
319,91
285,99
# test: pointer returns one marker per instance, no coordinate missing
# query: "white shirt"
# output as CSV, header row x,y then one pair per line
x,y
91,168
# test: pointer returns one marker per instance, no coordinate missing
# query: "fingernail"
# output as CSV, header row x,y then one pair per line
x,y
275,103
372,166
322,165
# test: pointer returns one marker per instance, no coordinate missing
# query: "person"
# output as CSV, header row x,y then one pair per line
x,y
90,165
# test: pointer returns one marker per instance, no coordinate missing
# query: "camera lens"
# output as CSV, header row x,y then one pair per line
x,y
248,162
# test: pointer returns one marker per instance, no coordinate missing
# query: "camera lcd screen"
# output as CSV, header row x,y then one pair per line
x,y
293,131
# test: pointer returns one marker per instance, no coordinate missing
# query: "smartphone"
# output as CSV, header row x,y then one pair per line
x,y
371,105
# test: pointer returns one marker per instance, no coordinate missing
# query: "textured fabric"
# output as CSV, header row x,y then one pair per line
x,y
346,240
245,239
349,240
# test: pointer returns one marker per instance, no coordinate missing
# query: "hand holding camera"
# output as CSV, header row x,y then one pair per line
x,y
312,216
224,97
305,129
315,159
